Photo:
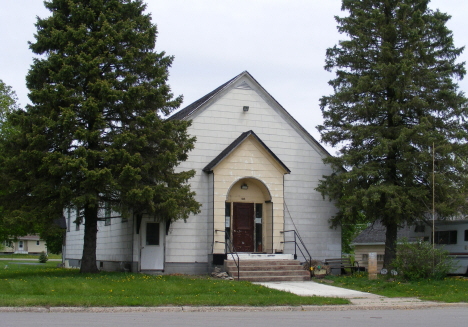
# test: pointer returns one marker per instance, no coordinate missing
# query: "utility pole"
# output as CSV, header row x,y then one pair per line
x,y
433,206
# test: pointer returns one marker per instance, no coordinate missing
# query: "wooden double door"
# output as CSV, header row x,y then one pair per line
x,y
243,227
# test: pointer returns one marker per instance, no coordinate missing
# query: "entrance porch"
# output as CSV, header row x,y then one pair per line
x,y
247,185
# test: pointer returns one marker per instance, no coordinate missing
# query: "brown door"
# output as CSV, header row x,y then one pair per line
x,y
243,227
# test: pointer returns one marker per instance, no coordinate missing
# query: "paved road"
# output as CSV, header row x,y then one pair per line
x,y
446,317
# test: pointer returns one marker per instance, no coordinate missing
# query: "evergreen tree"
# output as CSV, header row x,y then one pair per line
x,y
394,96
94,135
8,104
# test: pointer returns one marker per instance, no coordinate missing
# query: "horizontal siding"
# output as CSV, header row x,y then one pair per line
x,y
215,128
219,125
114,242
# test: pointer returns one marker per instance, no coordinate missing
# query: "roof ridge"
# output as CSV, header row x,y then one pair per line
x,y
191,108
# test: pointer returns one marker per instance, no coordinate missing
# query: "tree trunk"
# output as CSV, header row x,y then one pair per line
x,y
88,261
390,245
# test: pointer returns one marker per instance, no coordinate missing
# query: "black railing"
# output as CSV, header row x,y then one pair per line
x,y
229,249
296,245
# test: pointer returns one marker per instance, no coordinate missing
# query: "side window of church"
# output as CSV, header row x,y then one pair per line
x,y
68,219
107,215
77,220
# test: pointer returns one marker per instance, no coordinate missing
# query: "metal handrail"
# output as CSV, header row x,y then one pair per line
x,y
228,245
296,246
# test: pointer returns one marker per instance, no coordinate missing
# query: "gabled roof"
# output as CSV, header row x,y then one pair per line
x,y
29,238
197,105
231,147
189,110
375,234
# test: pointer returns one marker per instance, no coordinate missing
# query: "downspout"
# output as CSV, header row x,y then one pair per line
x,y
133,236
139,244
212,215
272,229
284,219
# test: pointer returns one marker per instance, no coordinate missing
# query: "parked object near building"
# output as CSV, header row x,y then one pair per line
x,y
452,236
256,171
29,244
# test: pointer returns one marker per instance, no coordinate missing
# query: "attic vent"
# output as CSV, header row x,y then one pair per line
x,y
244,86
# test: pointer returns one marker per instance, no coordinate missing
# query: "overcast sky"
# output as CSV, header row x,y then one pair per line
x,y
281,43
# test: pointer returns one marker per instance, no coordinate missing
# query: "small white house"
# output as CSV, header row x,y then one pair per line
x,y
256,173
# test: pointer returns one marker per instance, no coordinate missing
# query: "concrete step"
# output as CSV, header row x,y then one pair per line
x,y
267,270
246,263
275,278
264,256
260,273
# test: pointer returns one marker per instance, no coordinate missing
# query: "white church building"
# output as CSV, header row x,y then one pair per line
x,y
256,173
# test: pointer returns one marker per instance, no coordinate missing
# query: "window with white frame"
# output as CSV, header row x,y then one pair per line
x,y
8,243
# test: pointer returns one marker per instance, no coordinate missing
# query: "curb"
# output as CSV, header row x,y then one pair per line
x,y
230,308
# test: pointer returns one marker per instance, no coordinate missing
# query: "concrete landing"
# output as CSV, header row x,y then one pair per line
x,y
264,256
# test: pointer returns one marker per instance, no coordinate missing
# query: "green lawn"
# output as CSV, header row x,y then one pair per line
x,y
451,289
22,285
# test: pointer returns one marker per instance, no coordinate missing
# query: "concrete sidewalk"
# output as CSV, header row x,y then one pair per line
x,y
361,299
310,288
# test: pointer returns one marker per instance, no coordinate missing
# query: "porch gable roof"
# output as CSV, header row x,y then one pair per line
x,y
230,148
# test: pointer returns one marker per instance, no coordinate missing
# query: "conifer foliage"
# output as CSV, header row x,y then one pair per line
x,y
8,104
394,96
94,136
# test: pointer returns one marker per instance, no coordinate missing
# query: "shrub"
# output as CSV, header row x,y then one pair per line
x,y
43,257
419,260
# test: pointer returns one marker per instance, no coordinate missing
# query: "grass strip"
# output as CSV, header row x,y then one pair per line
x,y
450,289
51,286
